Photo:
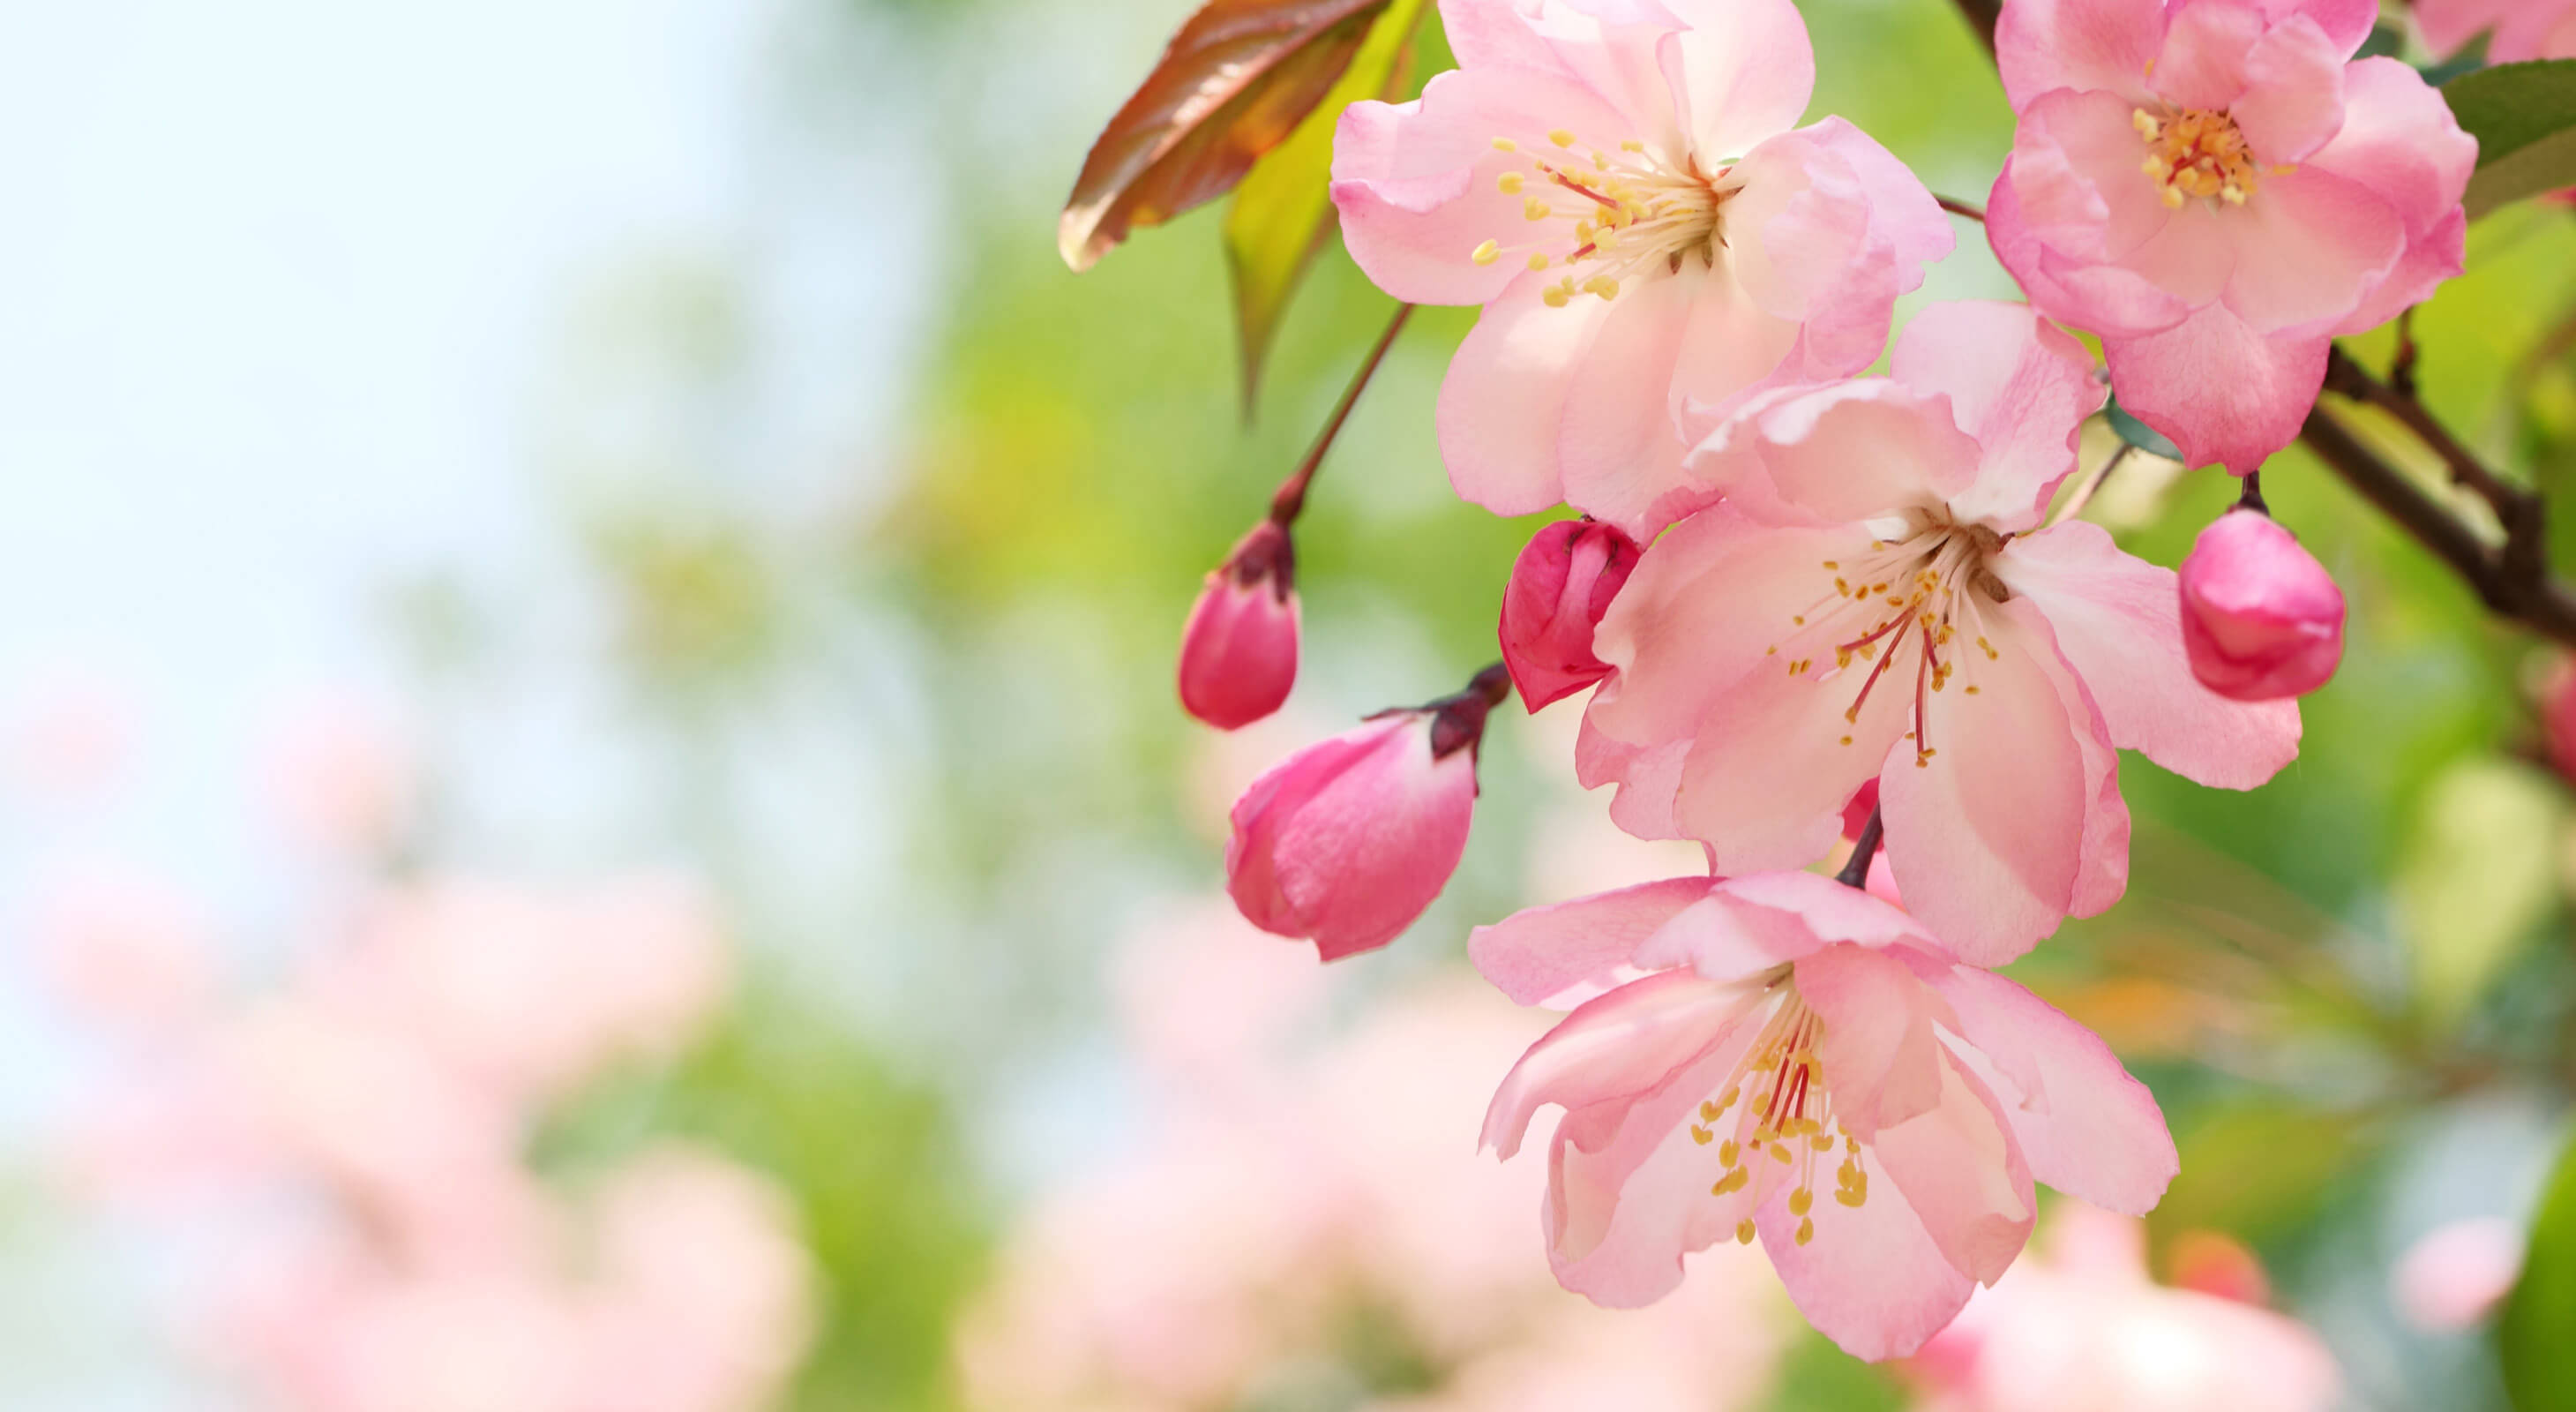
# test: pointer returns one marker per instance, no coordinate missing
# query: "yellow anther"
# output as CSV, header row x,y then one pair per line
x,y
1727,1099
1727,1152
1779,1154
1831,564
1771,651
1538,262
1602,285
1851,1197
1806,1230
1822,1142
1846,740
1799,620
1561,138
1505,144
1744,1231
1488,252
1554,296
1632,145
1701,1135
1800,1200
1535,209
1510,183
1972,691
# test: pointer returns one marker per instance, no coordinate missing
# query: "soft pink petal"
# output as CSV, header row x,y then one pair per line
x,y
1753,924
2225,394
1540,953
1839,453
1828,229
2308,247
1741,72
1765,784
2400,140
1829,910
2346,23
2118,619
1502,407
2020,387
2107,299
1614,48
2207,44
2088,1128
1415,183
1881,1055
2438,255
2102,876
2294,102
1987,837
1871,1279
1963,1173
1618,444
1705,602
2075,172
1628,1186
1613,1048
2078,44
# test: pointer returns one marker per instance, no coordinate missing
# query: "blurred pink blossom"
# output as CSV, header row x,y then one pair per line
x,y
2457,1274
2516,30
123,945
2085,1327
340,777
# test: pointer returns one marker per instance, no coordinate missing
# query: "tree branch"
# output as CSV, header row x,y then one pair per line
x,y
1981,16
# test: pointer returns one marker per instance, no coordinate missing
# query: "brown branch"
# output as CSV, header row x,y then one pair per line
x,y
1957,207
1981,16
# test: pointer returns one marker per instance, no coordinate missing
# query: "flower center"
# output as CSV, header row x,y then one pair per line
x,y
2198,153
1787,1120
1907,598
1632,214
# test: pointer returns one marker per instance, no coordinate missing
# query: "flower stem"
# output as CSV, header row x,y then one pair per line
x,y
1856,872
1290,499
1957,207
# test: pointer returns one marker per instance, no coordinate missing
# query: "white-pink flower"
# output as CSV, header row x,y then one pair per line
x,y
2516,30
1618,183
2219,190
2086,1328
1875,596
1801,1062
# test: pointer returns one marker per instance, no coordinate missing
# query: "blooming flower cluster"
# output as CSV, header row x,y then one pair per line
x,y
1817,610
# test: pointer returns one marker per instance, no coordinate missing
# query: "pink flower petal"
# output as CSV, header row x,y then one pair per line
x,y
1742,71
1839,453
1614,1048
1540,953
1987,838
2110,299
2078,44
2294,99
2118,620
2207,45
2309,246
1963,1174
1871,1279
2017,385
2088,1128
2075,173
1618,444
2225,394
1882,1059
1502,407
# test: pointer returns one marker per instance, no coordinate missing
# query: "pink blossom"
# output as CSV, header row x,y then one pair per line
x,y
1876,599
1560,586
2516,30
1791,1029
2558,717
2218,190
2457,1274
1346,842
2086,1328
1617,182
340,776
1239,649
2260,616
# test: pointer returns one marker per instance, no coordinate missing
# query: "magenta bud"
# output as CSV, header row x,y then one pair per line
x,y
1561,585
2260,617
1347,841
1239,649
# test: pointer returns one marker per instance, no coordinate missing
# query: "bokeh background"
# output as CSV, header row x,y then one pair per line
x,y
592,813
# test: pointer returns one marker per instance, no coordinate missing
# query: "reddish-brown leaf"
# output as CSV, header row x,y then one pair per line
x,y
1234,83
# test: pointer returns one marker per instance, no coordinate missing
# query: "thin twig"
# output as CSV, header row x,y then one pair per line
x,y
2083,495
1856,872
1290,499
1957,207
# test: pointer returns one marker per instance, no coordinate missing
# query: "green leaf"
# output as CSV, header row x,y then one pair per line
x,y
1283,212
2524,118
2531,1336
2138,434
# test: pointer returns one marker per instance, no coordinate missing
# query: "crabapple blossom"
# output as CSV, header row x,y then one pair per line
x,y
1346,842
2218,189
1239,649
1792,1038
1560,586
1620,187
1876,598
2085,1327
2516,30
2260,616
2459,1273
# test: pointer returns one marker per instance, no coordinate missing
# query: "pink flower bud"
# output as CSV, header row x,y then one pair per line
x,y
1239,650
1561,585
2558,717
2260,617
1346,842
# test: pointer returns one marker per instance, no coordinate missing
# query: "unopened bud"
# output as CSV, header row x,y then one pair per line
x,y
1239,649
2261,619
1560,586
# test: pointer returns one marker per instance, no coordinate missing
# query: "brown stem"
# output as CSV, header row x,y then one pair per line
x,y
1957,207
1289,500
1981,16
1856,872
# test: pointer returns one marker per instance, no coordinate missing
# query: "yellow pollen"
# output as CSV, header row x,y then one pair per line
x,y
1538,262
1846,740
1806,1229
1632,145
1488,253
2196,154
1701,1135
1728,1151
1535,209
1561,138
1555,297
1972,691
1800,1200
1800,620
1505,144
1744,1231
1510,183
